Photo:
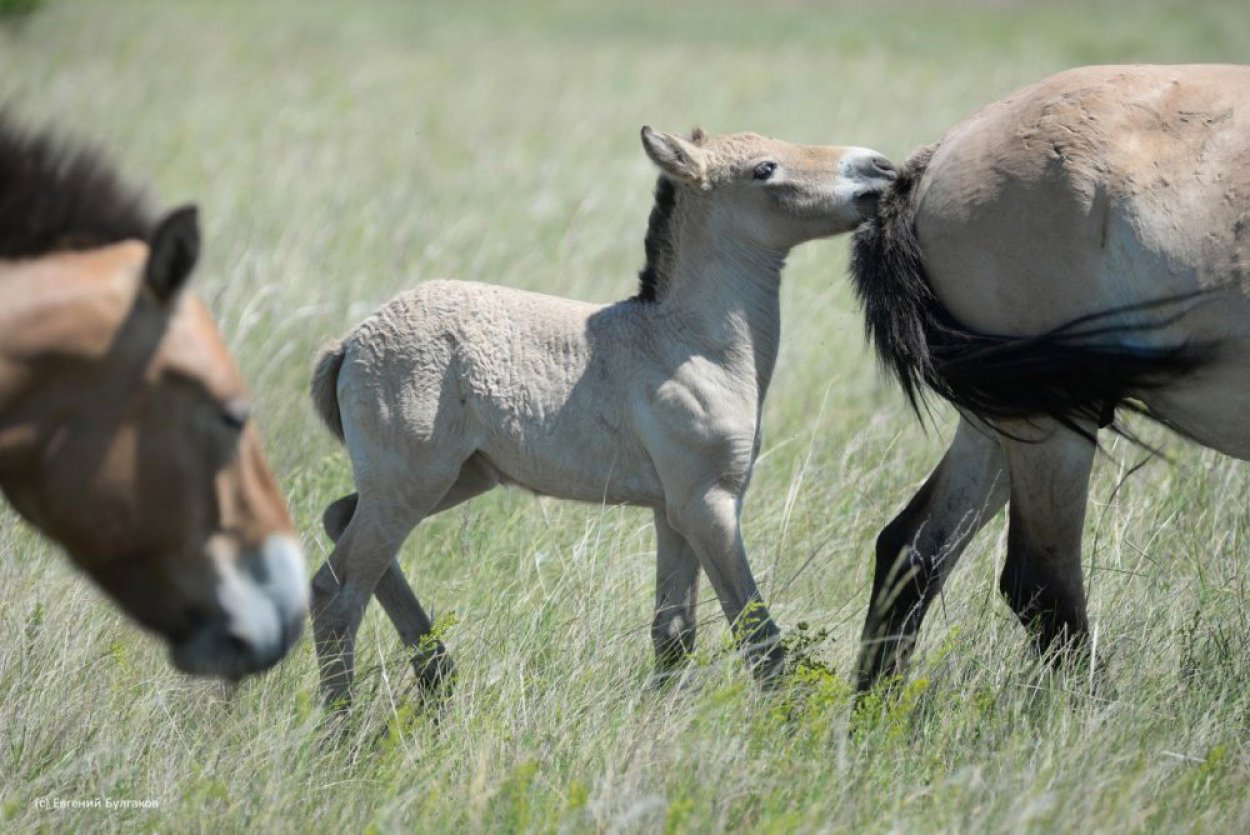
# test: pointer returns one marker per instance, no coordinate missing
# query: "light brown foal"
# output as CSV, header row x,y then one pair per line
x,y
124,432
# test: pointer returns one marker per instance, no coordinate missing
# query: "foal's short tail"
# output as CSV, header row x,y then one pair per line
x,y
1077,373
325,380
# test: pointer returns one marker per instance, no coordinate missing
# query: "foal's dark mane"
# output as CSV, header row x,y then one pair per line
x,y
653,277
56,196
658,243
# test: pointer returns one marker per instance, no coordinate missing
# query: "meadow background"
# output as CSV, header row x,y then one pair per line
x,y
343,151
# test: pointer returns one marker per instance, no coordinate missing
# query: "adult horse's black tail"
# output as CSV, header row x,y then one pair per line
x,y
1076,373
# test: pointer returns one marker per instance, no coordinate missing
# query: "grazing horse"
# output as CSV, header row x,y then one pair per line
x,y
124,431
1081,245
455,387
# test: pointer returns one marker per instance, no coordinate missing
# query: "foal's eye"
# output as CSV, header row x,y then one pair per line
x,y
764,170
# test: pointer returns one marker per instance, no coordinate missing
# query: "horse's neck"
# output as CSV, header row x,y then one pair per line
x,y
728,293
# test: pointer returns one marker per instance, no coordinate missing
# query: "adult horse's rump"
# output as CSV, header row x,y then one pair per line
x,y
1078,246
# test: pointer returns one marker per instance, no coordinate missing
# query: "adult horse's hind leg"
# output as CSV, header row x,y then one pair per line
x,y
1042,577
918,549
676,595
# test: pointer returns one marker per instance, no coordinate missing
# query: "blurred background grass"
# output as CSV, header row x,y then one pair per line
x,y
341,152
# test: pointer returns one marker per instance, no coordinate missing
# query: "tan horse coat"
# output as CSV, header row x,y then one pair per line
x,y
1117,193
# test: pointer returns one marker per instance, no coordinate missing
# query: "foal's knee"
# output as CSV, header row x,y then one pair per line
x,y
335,608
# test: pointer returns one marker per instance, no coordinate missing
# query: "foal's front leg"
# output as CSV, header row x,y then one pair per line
x,y
676,596
710,522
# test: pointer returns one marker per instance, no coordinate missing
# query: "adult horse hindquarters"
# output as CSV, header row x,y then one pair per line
x,y
123,420
1083,241
455,387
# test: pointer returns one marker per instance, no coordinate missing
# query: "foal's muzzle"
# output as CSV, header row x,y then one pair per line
x,y
263,600
871,173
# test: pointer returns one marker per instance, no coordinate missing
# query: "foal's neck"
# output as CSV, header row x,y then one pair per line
x,y
728,291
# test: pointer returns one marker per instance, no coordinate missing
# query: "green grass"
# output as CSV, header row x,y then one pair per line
x,y
343,152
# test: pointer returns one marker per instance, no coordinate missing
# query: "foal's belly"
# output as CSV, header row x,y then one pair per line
x,y
589,466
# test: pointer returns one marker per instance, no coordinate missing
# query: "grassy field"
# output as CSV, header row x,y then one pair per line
x,y
341,152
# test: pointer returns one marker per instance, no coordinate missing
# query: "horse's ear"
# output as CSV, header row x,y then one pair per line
x,y
172,252
678,158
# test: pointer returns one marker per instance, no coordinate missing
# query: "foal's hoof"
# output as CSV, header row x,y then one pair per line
x,y
668,679
335,722
434,668
770,669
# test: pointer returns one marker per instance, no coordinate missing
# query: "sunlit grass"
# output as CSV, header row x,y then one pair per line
x,y
341,153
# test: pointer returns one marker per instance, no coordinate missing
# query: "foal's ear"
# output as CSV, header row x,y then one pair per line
x,y
676,157
172,252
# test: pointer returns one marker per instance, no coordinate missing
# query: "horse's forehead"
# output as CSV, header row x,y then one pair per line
x,y
193,348
69,300
68,274
97,288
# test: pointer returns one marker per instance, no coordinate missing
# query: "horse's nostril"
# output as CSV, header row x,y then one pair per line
x,y
884,166
234,646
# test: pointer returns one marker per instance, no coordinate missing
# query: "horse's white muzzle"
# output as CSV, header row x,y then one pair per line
x,y
263,599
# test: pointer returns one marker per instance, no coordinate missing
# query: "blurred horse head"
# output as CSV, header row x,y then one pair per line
x,y
124,428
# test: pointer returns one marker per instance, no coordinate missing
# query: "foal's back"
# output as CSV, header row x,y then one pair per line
x,y
516,377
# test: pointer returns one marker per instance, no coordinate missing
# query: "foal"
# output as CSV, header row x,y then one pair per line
x,y
454,388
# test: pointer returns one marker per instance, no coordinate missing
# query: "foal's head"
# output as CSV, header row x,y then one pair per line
x,y
773,193
124,428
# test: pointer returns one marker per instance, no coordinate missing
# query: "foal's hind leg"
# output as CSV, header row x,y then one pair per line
x,y
342,587
676,595
430,659
1042,577
363,554
917,551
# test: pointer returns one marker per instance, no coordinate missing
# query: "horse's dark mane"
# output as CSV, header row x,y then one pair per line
x,y
1077,374
658,243
55,196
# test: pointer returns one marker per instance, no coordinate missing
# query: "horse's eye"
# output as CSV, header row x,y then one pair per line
x,y
234,417
764,170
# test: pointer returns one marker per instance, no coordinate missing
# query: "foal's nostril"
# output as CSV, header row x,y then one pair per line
x,y
883,166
